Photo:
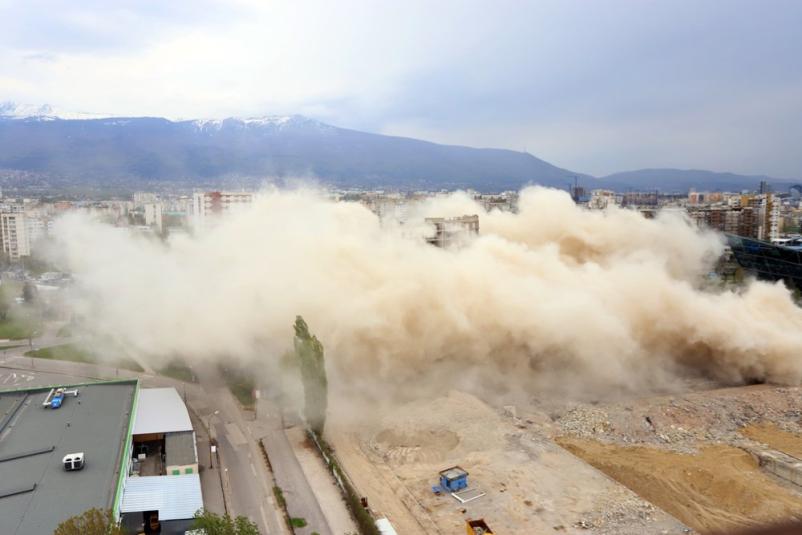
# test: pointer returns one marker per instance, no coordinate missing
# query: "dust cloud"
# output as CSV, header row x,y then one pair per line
x,y
553,298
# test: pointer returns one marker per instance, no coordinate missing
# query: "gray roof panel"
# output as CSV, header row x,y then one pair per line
x,y
161,410
96,423
179,448
175,497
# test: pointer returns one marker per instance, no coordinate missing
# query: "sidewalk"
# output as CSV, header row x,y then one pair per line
x,y
213,499
301,500
326,491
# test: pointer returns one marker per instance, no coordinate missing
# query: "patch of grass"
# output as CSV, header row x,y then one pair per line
x,y
65,331
74,353
298,522
243,391
16,329
241,384
178,369
279,494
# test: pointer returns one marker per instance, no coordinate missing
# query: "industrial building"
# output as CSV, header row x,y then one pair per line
x,y
163,482
766,260
36,492
61,455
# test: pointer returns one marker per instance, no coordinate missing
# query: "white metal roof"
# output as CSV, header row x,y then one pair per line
x,y
175,497
384,527
161,410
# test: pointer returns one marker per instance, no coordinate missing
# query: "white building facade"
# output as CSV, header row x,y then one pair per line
x,y
208,204
14,234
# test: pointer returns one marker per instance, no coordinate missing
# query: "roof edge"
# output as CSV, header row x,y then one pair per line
x,y
125,453
67,385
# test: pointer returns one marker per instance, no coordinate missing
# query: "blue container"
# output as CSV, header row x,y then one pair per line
x,y
453,479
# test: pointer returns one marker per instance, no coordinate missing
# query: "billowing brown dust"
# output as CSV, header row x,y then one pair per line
x,y
553,298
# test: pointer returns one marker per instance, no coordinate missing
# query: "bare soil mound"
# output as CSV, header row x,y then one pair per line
x,y
425,445
434,431
718,488
776,438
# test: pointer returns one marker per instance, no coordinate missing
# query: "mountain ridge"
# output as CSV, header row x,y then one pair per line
x,y
141,150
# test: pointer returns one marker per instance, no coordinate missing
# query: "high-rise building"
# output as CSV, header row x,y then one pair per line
x,y
14,233
207,204
153,215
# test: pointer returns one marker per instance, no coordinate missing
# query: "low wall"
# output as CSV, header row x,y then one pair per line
x,y
780,464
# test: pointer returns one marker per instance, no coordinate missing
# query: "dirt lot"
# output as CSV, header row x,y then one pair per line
x,y
660,464
531,484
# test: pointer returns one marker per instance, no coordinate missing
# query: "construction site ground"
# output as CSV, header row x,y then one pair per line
x,y
657,464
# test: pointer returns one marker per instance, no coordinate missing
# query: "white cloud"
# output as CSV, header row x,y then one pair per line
x,y
595,87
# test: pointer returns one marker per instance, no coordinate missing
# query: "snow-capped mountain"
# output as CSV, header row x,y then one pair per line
x,y
274,122
40,140
43,112
16,110
82,148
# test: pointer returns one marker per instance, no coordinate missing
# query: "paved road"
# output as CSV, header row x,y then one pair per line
x,y
247,482
11,378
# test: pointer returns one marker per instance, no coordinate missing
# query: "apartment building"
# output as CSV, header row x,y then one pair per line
x,y
206,204
750,216
14,235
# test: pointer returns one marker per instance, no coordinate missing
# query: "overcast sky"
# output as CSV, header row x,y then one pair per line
x,y
593,86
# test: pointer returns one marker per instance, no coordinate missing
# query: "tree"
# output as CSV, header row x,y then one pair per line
x,y
91,522
213,524
29,292
5,305
309,351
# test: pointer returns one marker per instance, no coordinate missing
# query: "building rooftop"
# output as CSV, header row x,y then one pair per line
x,y
161,410
174,497
180,448
36,492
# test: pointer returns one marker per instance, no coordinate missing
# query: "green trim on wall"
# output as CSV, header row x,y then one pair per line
x,y
126,454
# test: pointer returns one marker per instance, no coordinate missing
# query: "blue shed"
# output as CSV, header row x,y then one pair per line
x,y
453,479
